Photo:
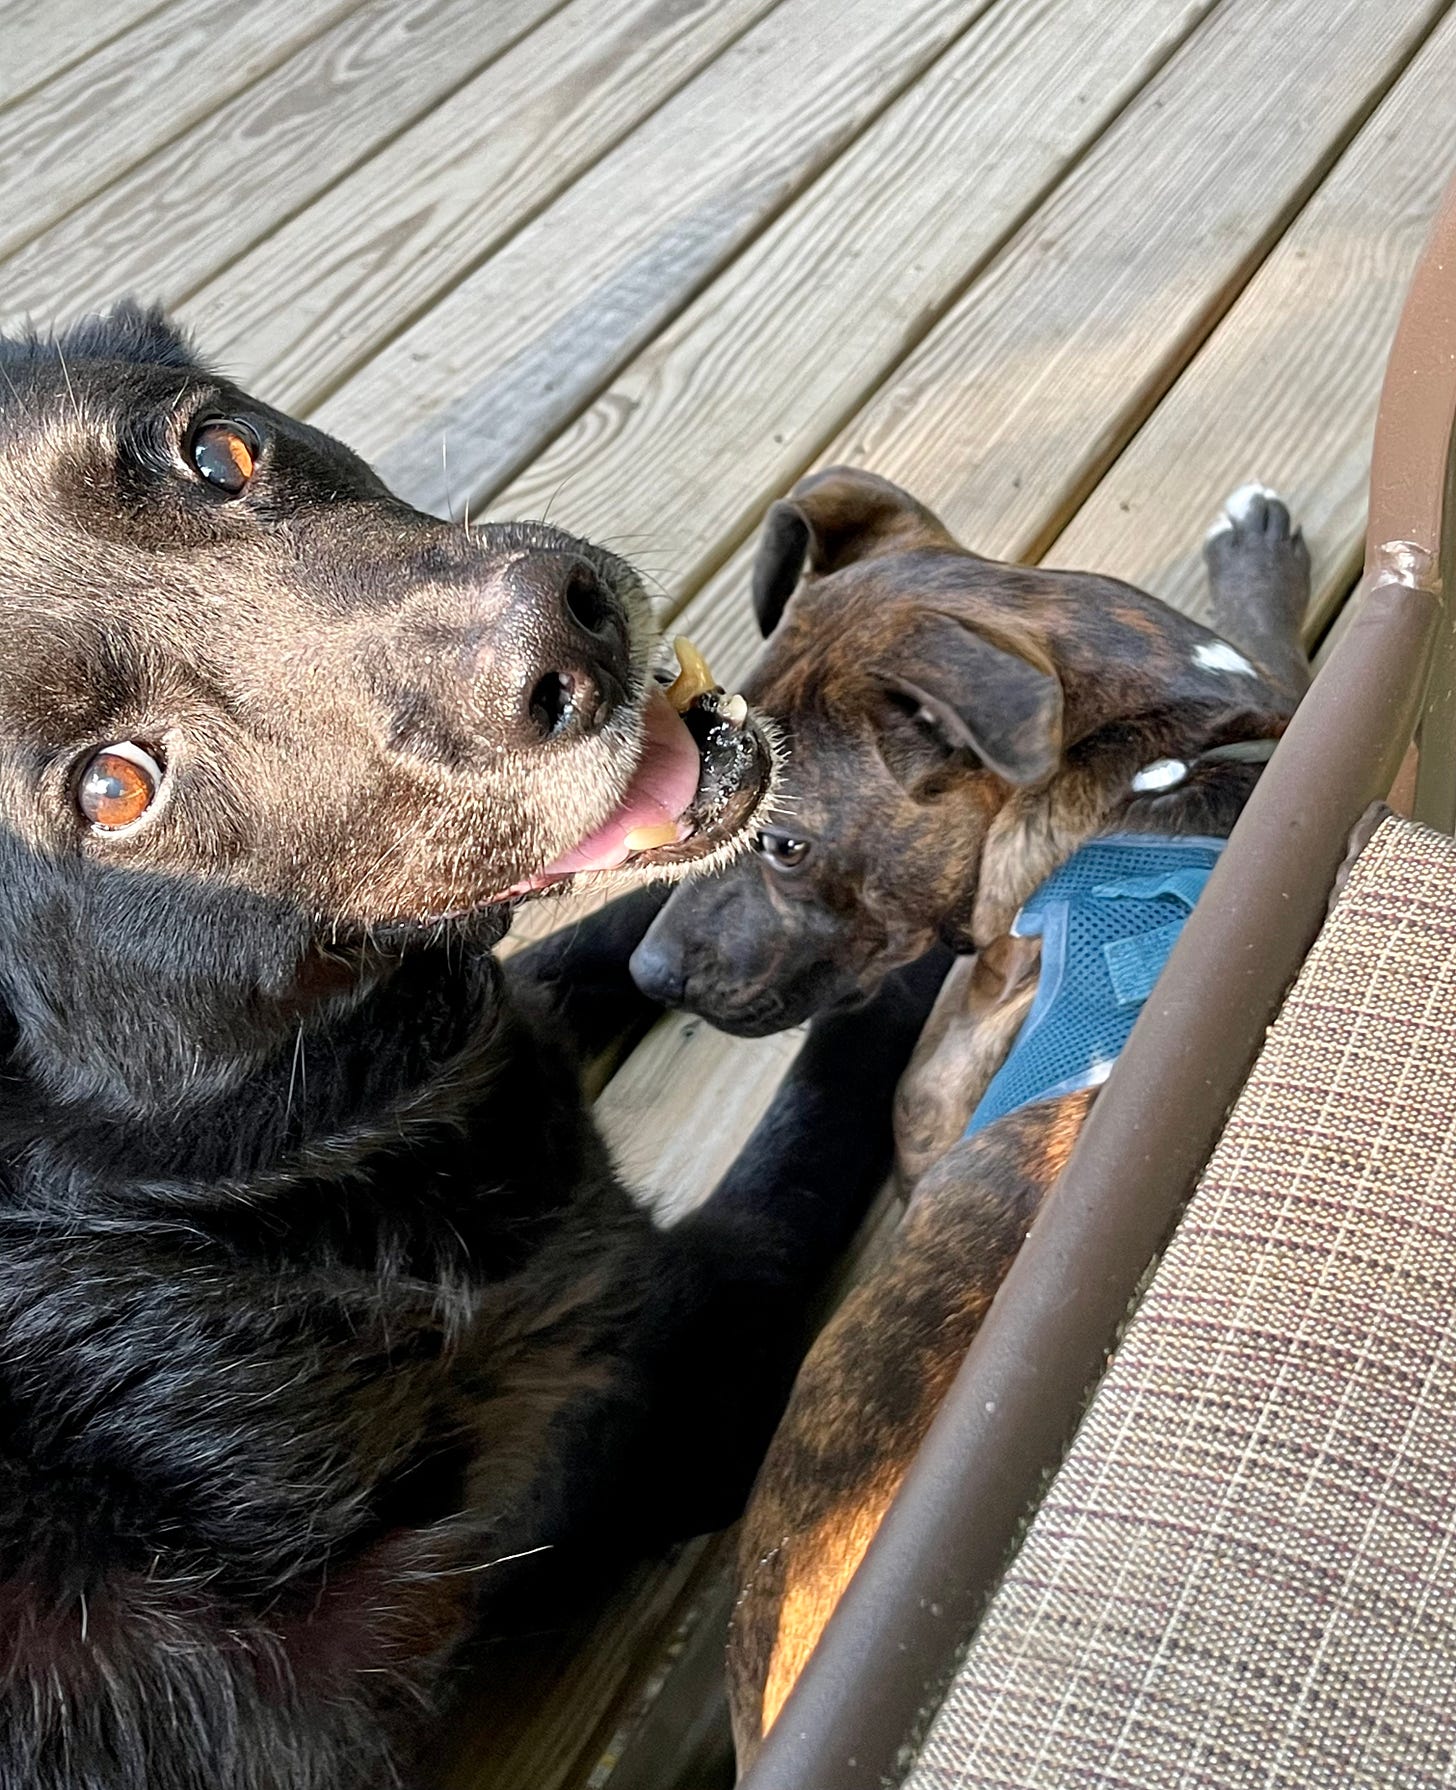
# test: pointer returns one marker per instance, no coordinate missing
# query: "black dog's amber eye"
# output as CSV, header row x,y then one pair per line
x,y
118,786
782,850
224,456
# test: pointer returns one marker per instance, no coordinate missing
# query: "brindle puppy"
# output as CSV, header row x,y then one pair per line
x,y
955,729
322,1314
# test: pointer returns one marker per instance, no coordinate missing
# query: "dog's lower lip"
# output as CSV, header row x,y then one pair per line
x,y
735,771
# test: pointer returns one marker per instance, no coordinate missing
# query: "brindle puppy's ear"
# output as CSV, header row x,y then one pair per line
x,y
833,518
966,691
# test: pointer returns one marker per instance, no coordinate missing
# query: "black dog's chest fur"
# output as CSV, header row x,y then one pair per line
x,y
266,1461
338,1327
305,1412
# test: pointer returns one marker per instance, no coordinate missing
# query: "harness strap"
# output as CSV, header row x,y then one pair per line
x,y
1108,919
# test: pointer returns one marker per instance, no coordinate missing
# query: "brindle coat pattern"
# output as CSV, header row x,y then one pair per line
x,y
324,1320
955,729
868,1390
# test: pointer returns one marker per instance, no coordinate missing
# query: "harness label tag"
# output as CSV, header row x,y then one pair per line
x,y
1134,964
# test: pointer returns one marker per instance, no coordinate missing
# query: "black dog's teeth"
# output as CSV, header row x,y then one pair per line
x,y
729,758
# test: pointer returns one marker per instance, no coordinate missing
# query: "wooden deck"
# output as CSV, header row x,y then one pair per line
x,y
1069,270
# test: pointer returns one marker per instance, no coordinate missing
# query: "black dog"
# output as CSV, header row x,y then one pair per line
x,y
322,1314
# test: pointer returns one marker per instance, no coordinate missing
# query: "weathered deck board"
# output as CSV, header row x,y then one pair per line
x,y
677,1111
1285,390
1007,416
155,83
311,303
682,1737
41,39
751,381
517,348
176,219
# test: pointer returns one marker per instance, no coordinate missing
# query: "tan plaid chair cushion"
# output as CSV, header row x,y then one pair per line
x,y
1243,1574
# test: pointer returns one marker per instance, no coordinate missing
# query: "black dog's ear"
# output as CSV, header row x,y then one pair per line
x,y
831,519
969,691
142,335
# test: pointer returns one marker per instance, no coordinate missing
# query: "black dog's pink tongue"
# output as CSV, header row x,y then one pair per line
x,y
660,793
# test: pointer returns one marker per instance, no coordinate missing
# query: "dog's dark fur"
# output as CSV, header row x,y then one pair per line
x,y
319,1301
955,730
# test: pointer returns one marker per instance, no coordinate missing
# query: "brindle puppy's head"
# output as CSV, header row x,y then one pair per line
x,y
263,727
953,729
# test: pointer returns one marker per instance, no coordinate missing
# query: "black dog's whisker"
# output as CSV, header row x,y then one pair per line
x,y
551,501
66,375
457,1572
298,1073
14,389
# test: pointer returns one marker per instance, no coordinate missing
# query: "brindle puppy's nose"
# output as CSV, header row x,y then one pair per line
x,y
565,671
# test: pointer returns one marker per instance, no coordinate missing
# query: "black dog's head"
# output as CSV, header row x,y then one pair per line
x,y
952,727
263,726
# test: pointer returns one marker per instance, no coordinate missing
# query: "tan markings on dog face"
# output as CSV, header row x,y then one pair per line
x,y
1035,831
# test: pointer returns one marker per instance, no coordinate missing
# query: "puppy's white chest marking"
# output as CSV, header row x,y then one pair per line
x,y
1218,655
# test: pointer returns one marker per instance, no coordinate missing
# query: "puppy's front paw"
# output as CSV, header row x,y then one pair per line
x,y
1255,546
1255,519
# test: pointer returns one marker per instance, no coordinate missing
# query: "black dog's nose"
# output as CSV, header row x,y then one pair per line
x,y
559,668
657,969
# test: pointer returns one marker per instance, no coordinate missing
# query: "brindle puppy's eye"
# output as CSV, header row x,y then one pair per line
x,y
224,455
118,786
782,850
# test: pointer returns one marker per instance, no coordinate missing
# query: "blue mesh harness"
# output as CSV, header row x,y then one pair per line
x,y
1107,920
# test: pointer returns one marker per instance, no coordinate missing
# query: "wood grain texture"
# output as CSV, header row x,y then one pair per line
x,y
683,1104
40,38
515,350
1016,407
211,193
156,82
312,302
1013,408
731,400
1286,388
